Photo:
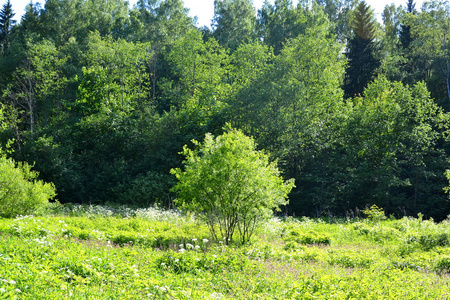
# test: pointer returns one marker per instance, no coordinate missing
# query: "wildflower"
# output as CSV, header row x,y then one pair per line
x,y
12,282
216,295
181,250
181,246
194,240
163,289
205,241
189,246
197,247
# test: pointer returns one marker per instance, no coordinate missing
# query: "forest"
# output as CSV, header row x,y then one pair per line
x,y
100,98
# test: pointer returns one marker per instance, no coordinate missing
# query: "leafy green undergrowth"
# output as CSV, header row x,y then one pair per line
x,y
153,254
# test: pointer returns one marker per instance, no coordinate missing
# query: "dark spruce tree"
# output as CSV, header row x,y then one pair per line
x,y
405,31
6,24
361,50
406,39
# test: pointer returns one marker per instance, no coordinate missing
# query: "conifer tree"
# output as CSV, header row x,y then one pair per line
x,y
361,50
6,24
405,31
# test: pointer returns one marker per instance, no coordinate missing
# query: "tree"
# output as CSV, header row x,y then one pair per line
x,y
38,84
6,24
234,22
199,68
393,57
338,12
230,184
159,22
431,47
289,103
114,79
394,147
361,51
279,22
410,60
405,31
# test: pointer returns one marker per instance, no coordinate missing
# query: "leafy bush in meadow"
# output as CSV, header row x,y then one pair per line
x,y
20,191
306,237
230,184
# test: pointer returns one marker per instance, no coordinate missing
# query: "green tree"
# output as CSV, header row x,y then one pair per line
x,y
230,184
234,22
199,67
38,85
408,66
290,104
339,12
361,50
430,48
6,24
114,78
279,22
159,22
392,55
394,141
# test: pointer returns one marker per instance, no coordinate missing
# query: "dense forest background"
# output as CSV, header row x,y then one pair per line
x,y
102,97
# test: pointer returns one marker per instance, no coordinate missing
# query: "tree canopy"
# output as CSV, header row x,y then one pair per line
x,y
101,97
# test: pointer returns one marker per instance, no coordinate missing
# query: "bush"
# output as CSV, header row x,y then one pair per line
x,y
20,192
310,237
230,184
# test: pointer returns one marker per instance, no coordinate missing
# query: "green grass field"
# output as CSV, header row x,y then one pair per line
x,y
100,253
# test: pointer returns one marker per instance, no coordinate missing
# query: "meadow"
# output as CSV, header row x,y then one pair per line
x,y
96,252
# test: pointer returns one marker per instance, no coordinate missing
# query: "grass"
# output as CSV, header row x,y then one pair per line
x,y
101,253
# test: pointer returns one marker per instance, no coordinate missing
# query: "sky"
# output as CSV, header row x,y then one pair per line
x,y
204,9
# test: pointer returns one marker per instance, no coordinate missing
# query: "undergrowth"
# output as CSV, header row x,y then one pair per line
x,y
104,253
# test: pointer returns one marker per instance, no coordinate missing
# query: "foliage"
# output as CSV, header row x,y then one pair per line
x,y
430,47
6,24
361,51
310,237
39,259
374,213
20,192
234,22
231,184
101,98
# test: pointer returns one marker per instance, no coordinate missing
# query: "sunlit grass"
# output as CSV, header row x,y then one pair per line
x,y
100,253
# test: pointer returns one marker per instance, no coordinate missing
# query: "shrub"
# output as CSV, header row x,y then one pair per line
x,y
375,213
307,238
443,265
20,192
230,184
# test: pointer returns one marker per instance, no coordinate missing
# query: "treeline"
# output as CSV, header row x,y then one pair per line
x,y
102,97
